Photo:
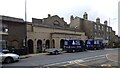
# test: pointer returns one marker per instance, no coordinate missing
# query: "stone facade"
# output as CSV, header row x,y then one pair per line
x,y
50,33
41,34
94,30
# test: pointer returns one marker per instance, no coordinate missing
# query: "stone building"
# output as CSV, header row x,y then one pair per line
x,y
12,32
50,33
94,30
41,34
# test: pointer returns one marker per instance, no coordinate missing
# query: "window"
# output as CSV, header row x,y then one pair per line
x,y
99,34
4,28
95,33
56,23
107,29
107,37
102,27
110,29
43,20
99,27
3,43
95,26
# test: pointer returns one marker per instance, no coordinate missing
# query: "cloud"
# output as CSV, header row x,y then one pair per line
x,y
104,9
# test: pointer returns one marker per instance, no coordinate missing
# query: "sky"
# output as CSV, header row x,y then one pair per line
x,y
104,9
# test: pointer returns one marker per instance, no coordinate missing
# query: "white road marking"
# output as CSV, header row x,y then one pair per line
x,y
91,51
81,64
66,64
106,65
78,61
110,59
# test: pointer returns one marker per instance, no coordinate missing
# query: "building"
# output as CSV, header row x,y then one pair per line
x,y
50,33
94,30
12,32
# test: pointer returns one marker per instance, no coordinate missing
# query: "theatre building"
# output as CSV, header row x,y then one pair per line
x,y
49,33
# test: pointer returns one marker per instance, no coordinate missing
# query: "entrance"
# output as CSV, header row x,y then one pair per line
x,y
30,46
39,46
62,43
47,44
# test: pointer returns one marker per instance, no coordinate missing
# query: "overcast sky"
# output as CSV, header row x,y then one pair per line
x,y
104,9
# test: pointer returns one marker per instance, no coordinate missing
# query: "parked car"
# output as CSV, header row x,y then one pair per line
x,y
6,57
5,51
54,50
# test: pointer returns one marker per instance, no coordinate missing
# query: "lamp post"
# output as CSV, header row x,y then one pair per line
x,y
26,43
25,10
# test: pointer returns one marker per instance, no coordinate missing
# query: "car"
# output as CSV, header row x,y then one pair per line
x,y
6,57
54,51
5,51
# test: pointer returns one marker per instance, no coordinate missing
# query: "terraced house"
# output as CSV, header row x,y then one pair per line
x,y
94,29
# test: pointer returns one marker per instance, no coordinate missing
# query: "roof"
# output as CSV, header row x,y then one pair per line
x,y
8,18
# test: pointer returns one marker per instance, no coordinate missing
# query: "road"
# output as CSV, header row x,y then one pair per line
x,y
87,58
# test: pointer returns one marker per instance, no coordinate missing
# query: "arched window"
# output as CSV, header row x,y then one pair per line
x,y
56,23
30,46
39,46
47,44
61,43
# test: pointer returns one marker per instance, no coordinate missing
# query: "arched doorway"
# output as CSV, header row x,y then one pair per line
x,y
30,46
62,43
47,44
53,43
39,46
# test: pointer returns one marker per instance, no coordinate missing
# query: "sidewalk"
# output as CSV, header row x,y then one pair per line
x,y
30,55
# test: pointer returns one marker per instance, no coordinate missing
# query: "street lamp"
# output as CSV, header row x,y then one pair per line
x,y
25,10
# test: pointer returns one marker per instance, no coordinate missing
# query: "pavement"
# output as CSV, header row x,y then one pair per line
x,y
31,55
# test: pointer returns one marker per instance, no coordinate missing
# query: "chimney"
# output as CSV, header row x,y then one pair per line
x,y
62,18
71,18
105,22
98,20
49,15
85,16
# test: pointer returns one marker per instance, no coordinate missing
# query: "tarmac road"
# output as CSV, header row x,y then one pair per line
x,y
82,58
